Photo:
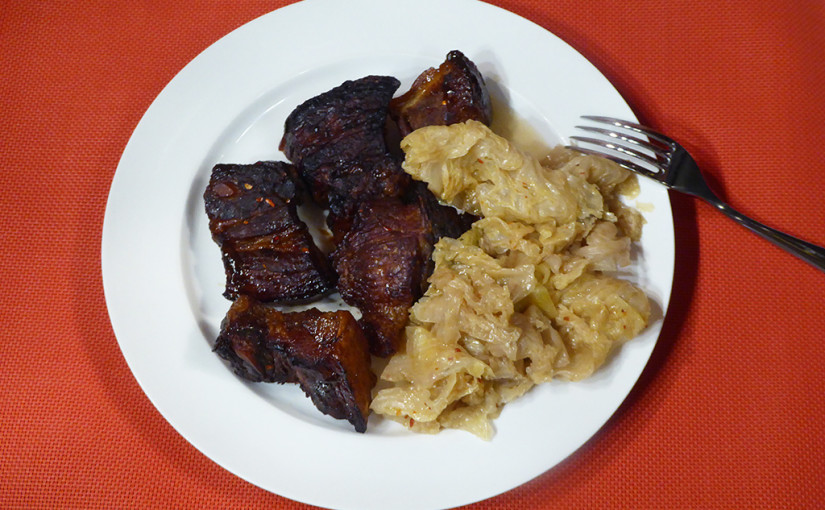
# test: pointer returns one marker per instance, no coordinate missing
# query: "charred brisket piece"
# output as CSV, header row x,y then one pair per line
x,y
268,252
383,263
444,220
454,92
326,353
336,140
244,342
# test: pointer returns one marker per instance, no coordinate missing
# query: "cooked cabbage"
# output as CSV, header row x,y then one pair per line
x,y
522,297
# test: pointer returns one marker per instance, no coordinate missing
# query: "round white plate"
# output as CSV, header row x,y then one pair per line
x,y
163,277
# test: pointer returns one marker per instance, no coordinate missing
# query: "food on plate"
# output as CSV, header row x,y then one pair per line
x,y
383,263
345,154
444,220
336,140
326,353
267,251
383,228
477,269
449,94
522,298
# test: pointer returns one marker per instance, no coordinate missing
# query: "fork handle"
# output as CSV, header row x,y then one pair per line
x,y
808,252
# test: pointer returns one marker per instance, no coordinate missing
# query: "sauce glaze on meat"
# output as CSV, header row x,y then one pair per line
x,y
326,353
452,93
382,266
336,140
267,251
383,262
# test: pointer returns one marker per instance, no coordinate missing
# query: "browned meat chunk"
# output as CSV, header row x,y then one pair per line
x,y
336,140
452,93
444,221
382,264
326,353
268,252
384,261
244,342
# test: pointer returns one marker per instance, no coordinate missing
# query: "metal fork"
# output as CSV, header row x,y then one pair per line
x,y
661,158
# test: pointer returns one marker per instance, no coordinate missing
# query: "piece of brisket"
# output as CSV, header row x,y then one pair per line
x,y
326,353
383,262
267,251
452,93
337,141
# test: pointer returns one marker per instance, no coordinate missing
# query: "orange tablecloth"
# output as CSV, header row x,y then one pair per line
x,y
730,412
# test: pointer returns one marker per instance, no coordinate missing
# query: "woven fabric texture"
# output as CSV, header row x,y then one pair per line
x,y
729,413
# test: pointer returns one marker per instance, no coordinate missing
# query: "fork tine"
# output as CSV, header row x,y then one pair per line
x,y
654,148
628,165
632,126
621,148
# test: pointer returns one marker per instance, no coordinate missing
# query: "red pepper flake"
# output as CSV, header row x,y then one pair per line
x,y
269,202
480,160
247,185
259,199
567,319
457,349
412,422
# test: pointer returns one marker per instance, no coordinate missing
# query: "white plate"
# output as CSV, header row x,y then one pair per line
x,y
163,277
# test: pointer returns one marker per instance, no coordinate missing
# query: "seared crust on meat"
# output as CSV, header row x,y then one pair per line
x,y
444,220
452,93
268,252
383,263
326,353
244,342
336,140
